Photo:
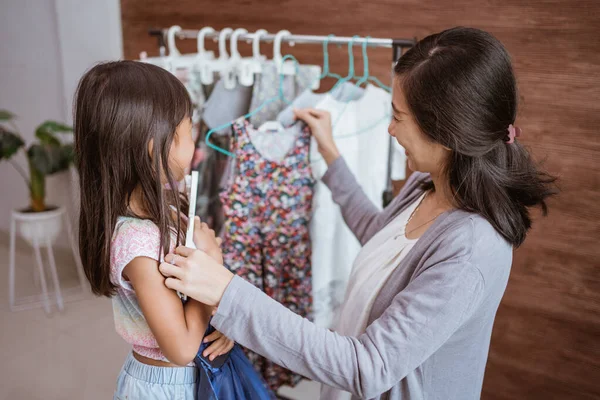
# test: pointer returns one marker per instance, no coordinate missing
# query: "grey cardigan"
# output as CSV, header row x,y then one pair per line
x,y
429,330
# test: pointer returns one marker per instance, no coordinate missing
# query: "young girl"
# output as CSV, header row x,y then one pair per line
x,y
133,143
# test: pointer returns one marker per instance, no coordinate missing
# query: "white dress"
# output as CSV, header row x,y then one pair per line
x,y
360,132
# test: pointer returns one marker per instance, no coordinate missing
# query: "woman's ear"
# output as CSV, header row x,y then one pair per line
x,y
446,148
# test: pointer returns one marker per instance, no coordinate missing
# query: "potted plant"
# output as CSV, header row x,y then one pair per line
x,y
48,155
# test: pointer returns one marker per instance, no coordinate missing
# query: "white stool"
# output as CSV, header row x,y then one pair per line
x,y
41,230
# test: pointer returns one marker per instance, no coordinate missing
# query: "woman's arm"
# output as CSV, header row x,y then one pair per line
x,y
178,328
360,214
419,320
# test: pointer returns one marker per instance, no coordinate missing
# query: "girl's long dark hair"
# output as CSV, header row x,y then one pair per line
x,y
120,108
461,89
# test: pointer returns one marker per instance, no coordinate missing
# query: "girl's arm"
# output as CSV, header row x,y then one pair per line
x,y
178,328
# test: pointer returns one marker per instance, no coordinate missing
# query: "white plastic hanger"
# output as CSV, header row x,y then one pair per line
x,y
272,126
289,67
175,59
248,66
285,68
257,58
209,67
229,73
166,61
173,52
204,58
223,56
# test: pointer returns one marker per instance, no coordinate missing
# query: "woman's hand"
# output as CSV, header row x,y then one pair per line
x,y
319,122
196,274
220,345
206,240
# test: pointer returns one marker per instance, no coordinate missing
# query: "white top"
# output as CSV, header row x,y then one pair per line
x,y
374,264
372,268
360,132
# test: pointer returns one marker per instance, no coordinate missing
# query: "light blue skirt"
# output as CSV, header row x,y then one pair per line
x,y
138,381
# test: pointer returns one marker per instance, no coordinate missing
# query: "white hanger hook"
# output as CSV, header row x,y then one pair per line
x,y
171,40
201,36
223,43
277,44
256,43
234,42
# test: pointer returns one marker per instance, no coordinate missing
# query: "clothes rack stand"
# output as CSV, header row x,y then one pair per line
x,y
397,46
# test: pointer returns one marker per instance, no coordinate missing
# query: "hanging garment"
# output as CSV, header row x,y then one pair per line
x,y
308,99
211,166
225,105
362,138
266,86
272,144
267,207
191,80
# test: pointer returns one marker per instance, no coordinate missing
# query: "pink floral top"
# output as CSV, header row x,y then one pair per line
x,y
133,238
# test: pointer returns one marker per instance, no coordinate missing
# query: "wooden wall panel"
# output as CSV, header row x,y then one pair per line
x,y
546,341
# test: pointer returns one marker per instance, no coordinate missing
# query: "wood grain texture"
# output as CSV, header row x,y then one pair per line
x,y
546,340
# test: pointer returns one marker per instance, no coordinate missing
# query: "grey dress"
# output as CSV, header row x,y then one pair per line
x,y
429,329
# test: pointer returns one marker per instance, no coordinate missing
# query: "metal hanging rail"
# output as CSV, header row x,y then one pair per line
x,y
292,39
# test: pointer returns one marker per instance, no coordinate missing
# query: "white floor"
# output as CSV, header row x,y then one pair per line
x,y
75,354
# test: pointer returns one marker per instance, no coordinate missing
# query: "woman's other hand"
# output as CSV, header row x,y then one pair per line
x,y
319,122
196,274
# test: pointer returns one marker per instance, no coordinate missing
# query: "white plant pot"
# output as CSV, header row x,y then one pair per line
x,y
41,227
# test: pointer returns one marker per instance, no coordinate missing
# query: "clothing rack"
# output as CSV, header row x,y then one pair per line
x,y
397,46
161,35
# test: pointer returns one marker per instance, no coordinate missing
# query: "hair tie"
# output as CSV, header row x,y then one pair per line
x,y
513,132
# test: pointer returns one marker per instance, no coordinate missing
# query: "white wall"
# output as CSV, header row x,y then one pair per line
x,y
46,46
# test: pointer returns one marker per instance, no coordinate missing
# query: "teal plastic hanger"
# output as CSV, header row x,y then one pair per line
x,y
280,96
350,64
366,75
371,77
364,79
347,78
326,73
339,82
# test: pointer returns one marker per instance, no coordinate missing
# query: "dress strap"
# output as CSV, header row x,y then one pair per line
x,y
240,136
303,142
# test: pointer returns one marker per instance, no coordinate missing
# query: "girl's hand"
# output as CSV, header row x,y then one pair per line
x,y
220,345
205,239
196,274
319,122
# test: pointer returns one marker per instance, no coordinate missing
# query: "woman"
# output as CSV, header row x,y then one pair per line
x,y
424,291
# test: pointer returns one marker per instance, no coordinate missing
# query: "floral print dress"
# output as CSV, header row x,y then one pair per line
x,y
266,240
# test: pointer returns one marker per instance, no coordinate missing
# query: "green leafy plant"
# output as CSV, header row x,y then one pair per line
x,y
49,155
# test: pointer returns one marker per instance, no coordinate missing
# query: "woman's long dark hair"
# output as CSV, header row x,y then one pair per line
x,y
120,108
461,89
